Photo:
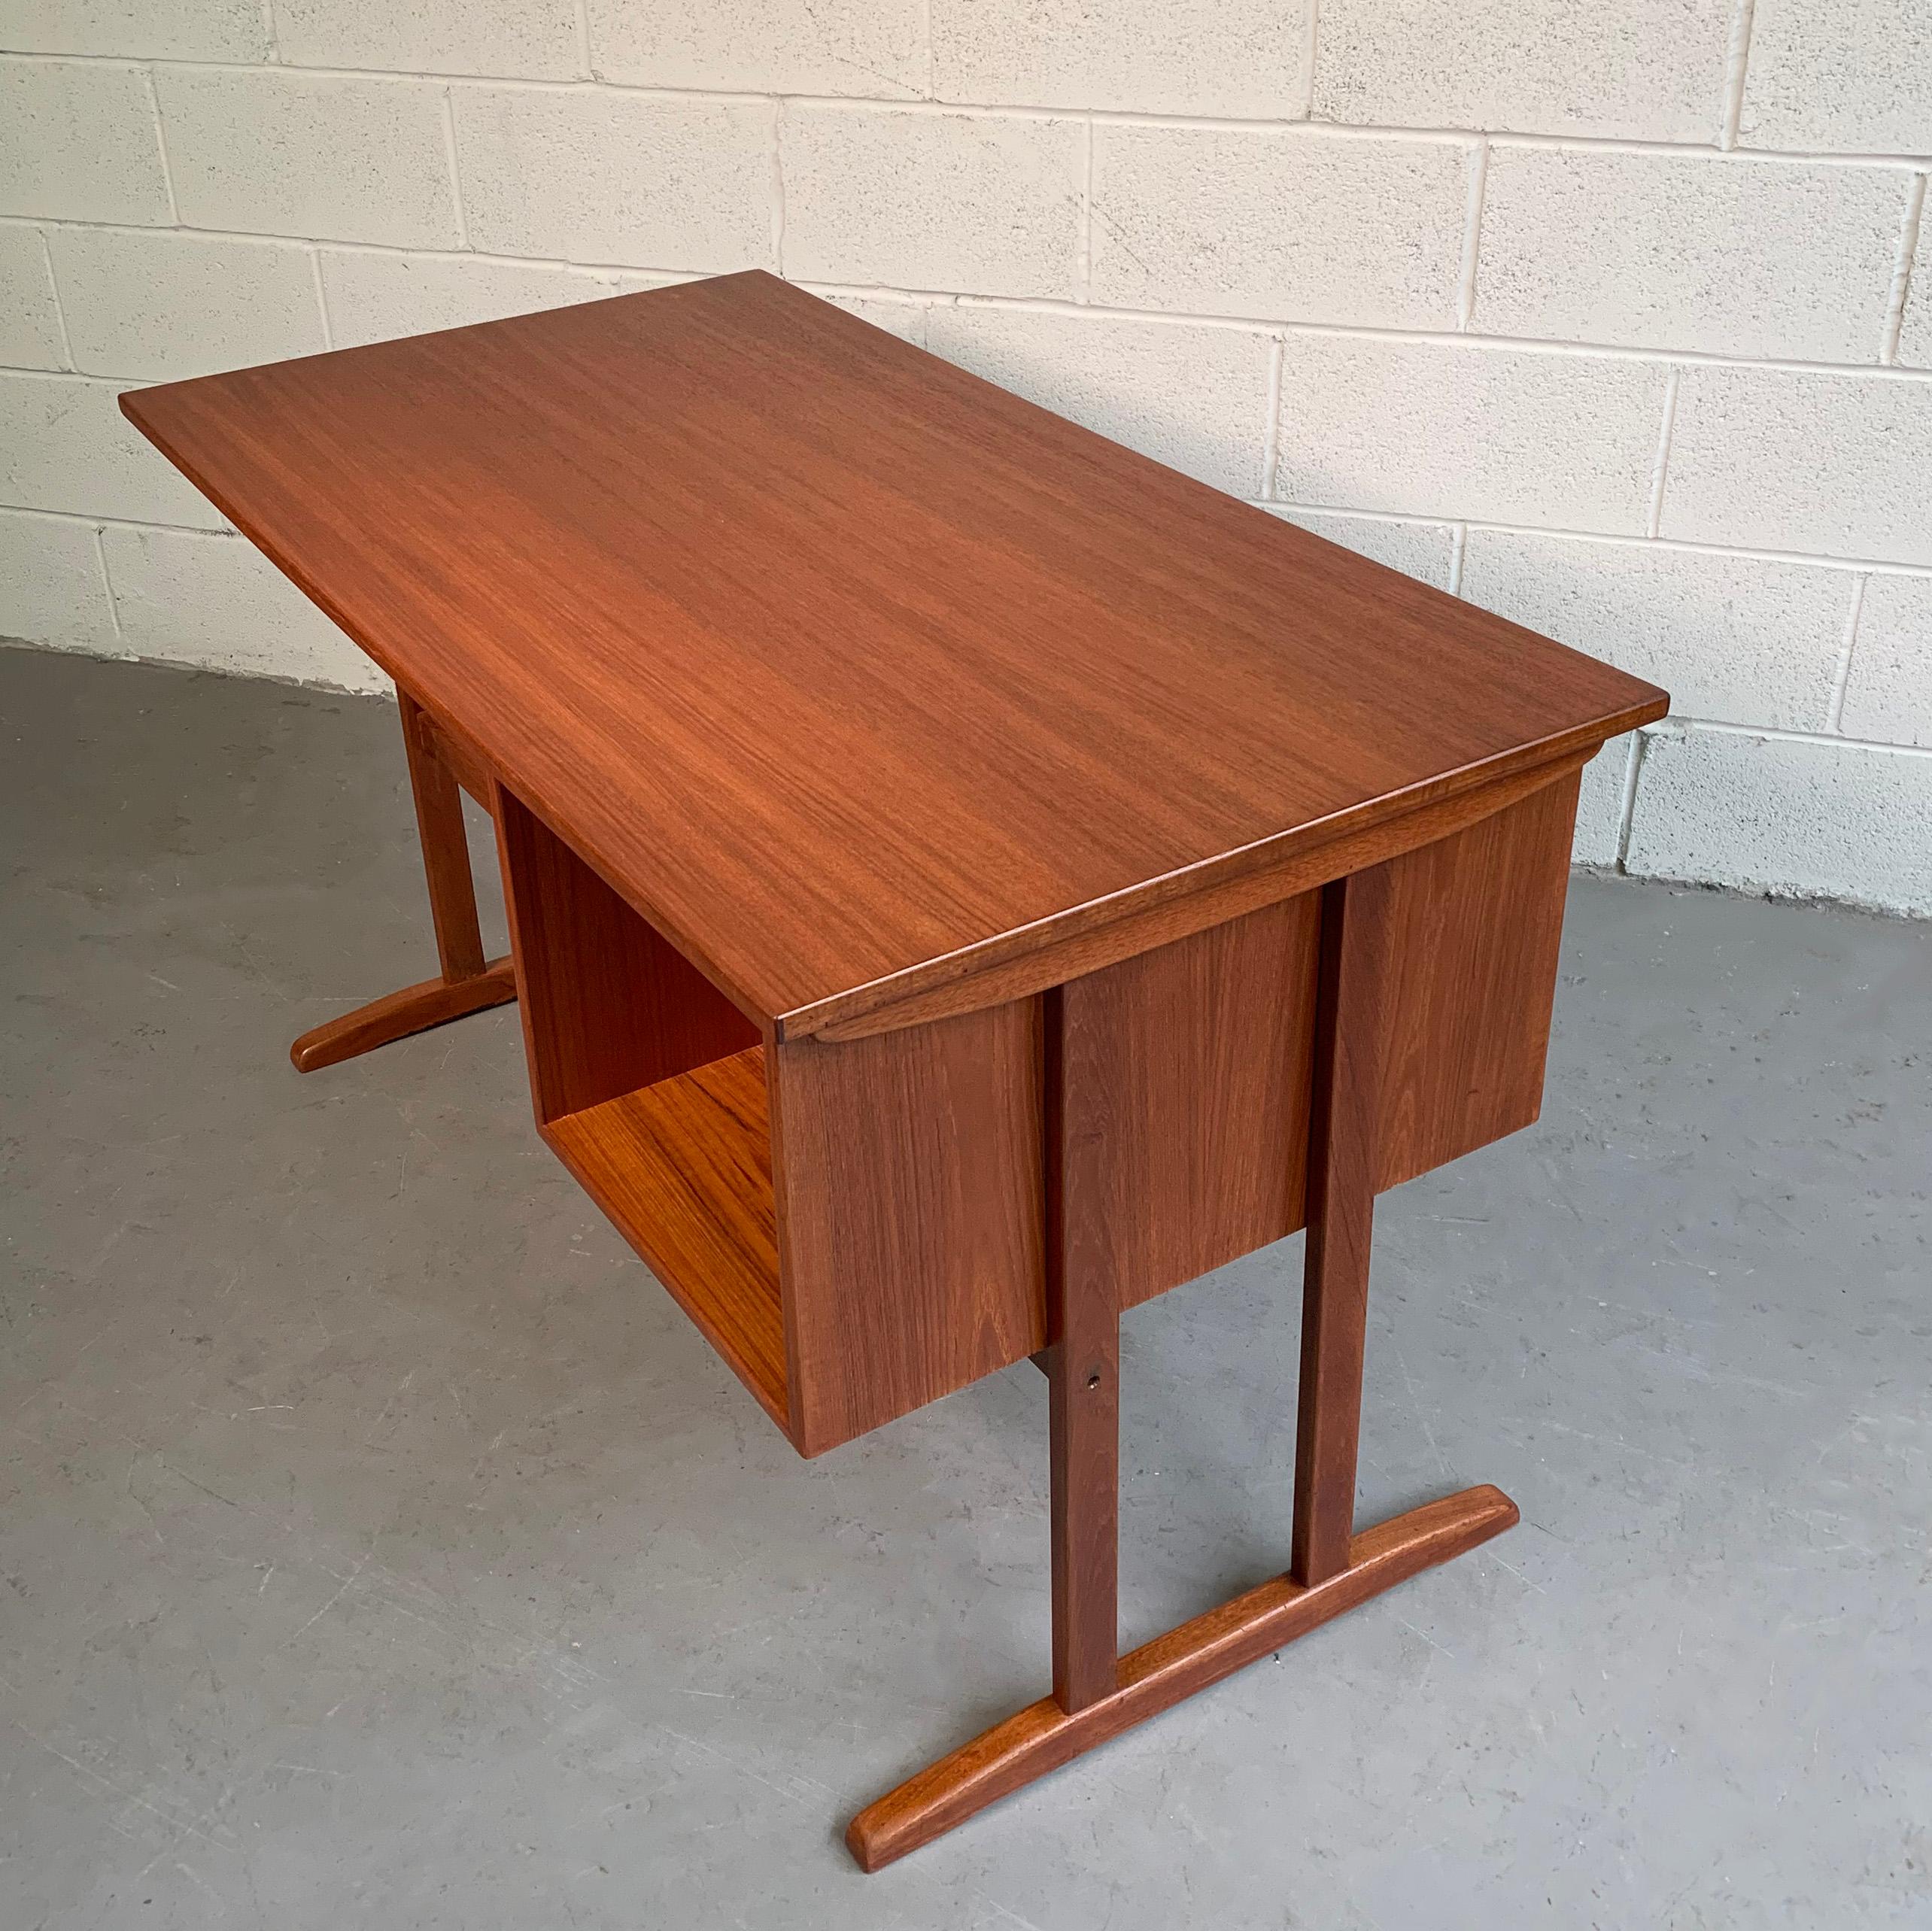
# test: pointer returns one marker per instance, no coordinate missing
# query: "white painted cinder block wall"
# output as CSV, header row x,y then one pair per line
x,y
1603,316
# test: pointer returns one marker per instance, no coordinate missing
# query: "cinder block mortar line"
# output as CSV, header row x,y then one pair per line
x,y
1538,345
108,584
1684,726
1627,810
455,172
931,49
1654,523
584,57
1128,117
1876,566
1309,60
1902,270
1459,548
1270,441
1447,337
1366,332
1841,676
777,184
373,248
96,518
1737,62
1362,331
59,308
1357,331
322,298
161,143
1085,282
269,30
1472,230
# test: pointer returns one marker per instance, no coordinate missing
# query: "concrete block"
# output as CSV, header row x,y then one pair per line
x,y
29,323
1444,429
1599,803
137,29
1742,640
1243,59
534,40
1424,551
339,160
1736,257
1852,76
610,177
372,297
905,319
78,142
1650,70
1789,459
65,446
1191,396
1889,695
1279,223
193,598
980,204
52,591
1790,817
872,48
154,306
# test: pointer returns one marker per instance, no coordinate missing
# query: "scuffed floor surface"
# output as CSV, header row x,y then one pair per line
x,y
378,1546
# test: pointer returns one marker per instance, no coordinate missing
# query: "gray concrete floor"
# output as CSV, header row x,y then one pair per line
x,y
381,1546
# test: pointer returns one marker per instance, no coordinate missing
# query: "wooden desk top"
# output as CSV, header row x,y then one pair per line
x,y
838,662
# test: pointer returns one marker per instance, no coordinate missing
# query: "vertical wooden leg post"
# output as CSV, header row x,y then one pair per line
x,y
467,983
1083,1389
1096,1696
1341,1215
445,843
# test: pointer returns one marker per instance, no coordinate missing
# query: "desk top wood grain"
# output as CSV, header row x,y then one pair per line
x,y
837,661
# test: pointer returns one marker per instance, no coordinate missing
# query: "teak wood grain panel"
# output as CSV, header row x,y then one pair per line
x,y
465,761
1191,1061
1021,963
683,1169
608,1005
1468,980
1345,1138
837,661
909,1182
445,848
1082,1359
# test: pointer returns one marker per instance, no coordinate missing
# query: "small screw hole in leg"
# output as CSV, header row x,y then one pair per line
x,y
1093,1380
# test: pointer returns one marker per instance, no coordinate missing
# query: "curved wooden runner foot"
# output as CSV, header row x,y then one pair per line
x,y
414,1009
1160,1674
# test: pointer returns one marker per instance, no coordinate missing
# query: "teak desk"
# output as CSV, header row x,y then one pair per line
x,y
964,878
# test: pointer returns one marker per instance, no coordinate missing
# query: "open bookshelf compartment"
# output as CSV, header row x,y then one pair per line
x,y
650,1086
683,1169
908,1176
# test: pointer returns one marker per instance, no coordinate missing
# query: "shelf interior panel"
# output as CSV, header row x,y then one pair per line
x,y
683,1169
